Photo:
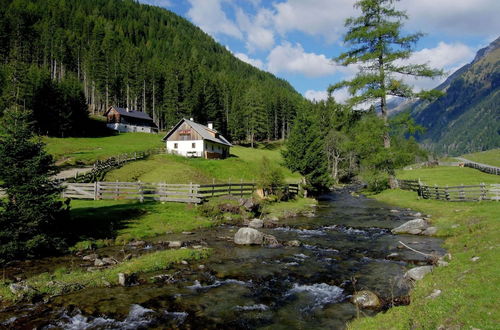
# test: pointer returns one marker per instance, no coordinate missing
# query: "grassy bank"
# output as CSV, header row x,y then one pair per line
x,y
84,151
63,281
490,157
124,220
245,164
451,176
470,290
293,206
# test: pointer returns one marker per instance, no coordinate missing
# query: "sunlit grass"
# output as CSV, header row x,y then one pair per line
x,y
490,157
447,175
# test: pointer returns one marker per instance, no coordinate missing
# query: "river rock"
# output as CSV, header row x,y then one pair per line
x,y
187,233
168,278
126,279
248,236
270,241
21,289
293,243
272,218
436,293
309,214
184,262
430,231
256,223
197,247
411,227
90,257
366,299
418,273
99,263
174,244
137,243
109,261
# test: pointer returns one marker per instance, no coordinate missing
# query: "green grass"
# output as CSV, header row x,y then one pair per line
x,y
294,206
451,176
175,169
490,157
64,281
79,151
470,290
124,220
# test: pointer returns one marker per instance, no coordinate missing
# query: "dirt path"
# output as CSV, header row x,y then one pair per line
x,y
71,173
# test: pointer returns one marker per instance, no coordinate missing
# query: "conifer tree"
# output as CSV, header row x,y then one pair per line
x,y
32,218
378,45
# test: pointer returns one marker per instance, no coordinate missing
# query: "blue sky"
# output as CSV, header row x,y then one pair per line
x,y
296,39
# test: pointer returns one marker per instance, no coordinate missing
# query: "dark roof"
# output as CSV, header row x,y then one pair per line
x,y
204,131
131,113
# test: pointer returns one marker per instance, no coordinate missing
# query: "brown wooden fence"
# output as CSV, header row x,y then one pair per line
x,y
453,193
483,168
185,193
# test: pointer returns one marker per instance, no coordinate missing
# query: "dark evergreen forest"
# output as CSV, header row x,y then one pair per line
x,y
62,57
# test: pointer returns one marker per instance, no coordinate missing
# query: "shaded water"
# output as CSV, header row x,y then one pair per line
x,y
344,249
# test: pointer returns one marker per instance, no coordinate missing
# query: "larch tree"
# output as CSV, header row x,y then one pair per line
x,y
382,51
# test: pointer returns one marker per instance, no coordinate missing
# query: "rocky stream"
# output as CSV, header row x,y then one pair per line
x,y
306,282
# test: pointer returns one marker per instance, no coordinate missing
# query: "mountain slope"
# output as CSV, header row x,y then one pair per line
x,y
467,117
138,56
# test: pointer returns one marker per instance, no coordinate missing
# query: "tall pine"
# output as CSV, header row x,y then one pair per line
x,y
32,217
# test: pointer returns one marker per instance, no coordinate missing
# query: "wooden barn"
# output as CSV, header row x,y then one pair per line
x,y
126,120
191,139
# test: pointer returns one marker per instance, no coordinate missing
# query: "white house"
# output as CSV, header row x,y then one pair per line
x,y
126,120
191,139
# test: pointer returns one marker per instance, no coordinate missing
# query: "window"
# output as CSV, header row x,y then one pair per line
x,y
193,145
176,145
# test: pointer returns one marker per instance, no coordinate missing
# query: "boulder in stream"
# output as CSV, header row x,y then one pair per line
x,y
366,299
411,227
418,273
21,289
293,243
174,244
126,279
430,231
248,236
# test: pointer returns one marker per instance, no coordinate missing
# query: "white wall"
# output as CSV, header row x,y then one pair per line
x,y
185,148
130,128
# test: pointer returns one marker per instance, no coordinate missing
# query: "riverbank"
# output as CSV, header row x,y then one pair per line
x,y
469,285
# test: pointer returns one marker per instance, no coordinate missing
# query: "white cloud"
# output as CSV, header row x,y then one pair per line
x,y
454,17
445,56
315,17
258,34
292,58
316,95
209,16
255,62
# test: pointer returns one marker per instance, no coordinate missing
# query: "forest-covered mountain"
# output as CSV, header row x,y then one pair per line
x,y
467,117
60,56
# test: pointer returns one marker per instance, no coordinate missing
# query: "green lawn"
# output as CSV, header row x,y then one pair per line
x,y
470,290
490,157
451,176
245,165
80,151
125,220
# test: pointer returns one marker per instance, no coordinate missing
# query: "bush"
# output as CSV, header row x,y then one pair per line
x,y
271,179
376,181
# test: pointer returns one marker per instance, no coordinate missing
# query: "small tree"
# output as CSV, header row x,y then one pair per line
x,y
382,51
271,178
32,219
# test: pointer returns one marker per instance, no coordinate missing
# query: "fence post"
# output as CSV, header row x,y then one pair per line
x,y
190,190
117,191
213,187
446,193
229,187
141,192
483,191
461,192
420,191
436,191
98,190
95,191
135,155
241,187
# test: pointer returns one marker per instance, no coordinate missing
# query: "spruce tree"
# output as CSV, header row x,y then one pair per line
x,y
378,45
32,217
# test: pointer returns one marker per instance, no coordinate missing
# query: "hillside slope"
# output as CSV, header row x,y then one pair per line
x,y
467,117
138,56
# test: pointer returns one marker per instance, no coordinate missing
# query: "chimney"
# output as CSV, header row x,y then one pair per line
x,y
210,125
191,119
127,109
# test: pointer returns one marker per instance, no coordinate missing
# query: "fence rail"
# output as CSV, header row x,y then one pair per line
x,y
483,168
453,193
185,193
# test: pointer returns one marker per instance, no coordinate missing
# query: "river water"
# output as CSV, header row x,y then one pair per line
x,y
344,249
